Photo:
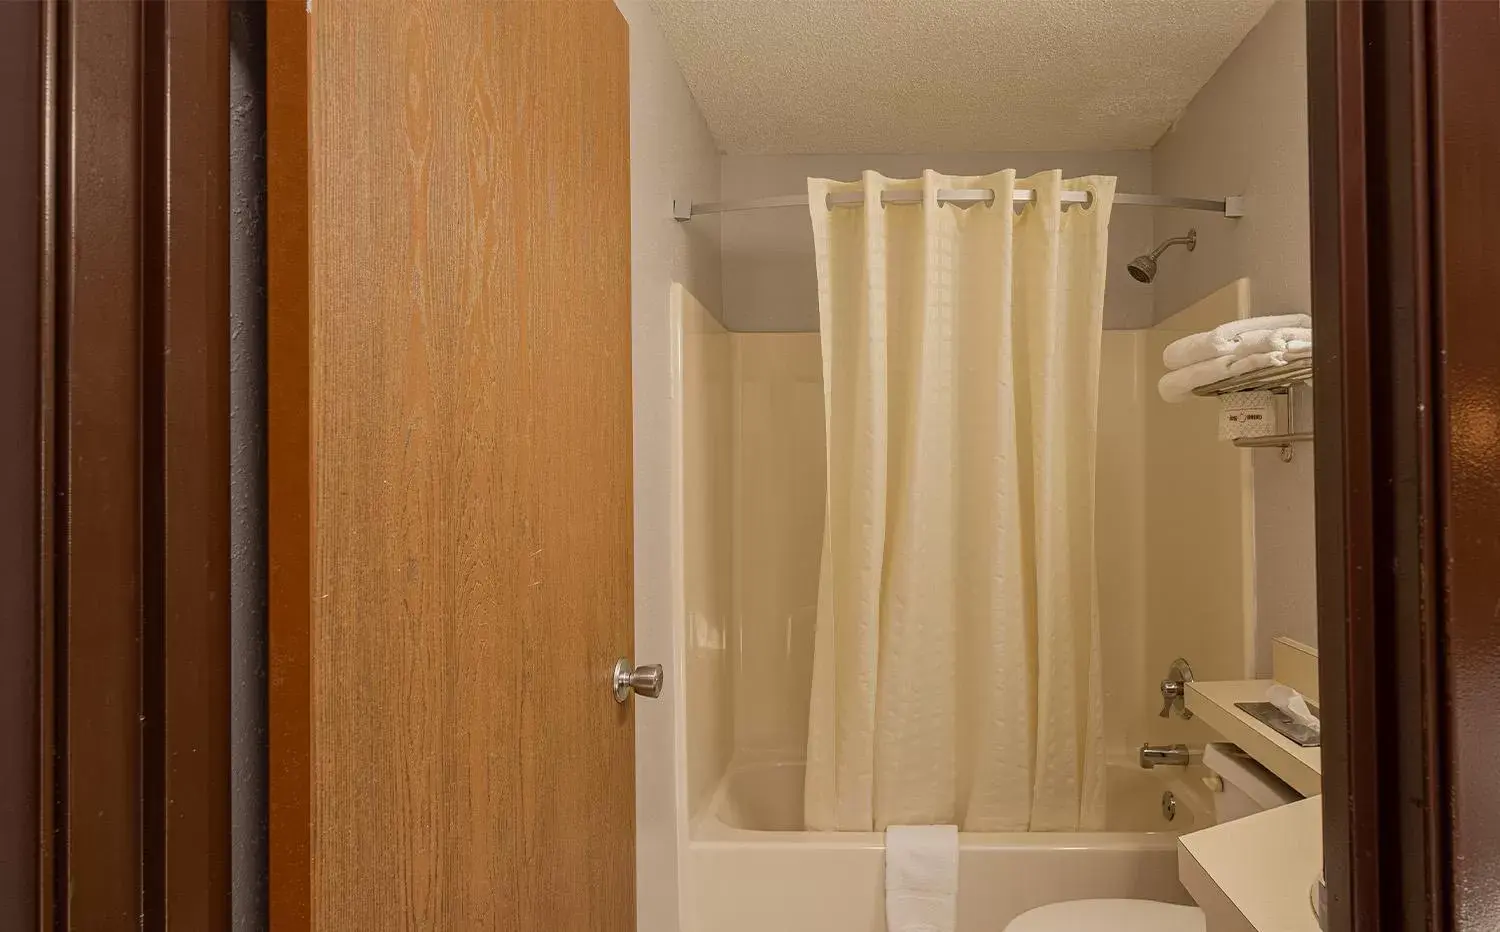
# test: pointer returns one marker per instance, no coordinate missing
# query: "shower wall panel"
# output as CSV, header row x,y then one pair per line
x,y
704,517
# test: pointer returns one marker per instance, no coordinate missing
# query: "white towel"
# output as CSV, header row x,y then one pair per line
x,y
921,878
1269,341
1267,360
1222,339
1178,384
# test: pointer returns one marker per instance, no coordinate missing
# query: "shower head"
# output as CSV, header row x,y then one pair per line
x,y
1143,268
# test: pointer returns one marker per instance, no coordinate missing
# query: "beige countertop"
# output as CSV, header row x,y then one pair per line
x,y
1256,873
1213,703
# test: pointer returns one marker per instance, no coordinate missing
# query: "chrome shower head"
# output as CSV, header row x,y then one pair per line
x,y
1143,268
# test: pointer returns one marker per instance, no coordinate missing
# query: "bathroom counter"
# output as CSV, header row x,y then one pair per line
x,y
1255,874
1213,703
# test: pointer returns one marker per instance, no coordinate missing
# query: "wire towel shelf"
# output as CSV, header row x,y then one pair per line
x,y
1279,380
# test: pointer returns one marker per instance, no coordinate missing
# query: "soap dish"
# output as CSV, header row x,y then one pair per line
x,y
1282,723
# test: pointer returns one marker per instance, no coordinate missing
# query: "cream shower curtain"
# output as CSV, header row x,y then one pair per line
x,y
956,675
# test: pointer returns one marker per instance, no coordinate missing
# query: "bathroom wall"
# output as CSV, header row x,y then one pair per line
x,y
671,155
247,465
770,282
1246,132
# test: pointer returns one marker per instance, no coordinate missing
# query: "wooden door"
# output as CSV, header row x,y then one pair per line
x,y
450,519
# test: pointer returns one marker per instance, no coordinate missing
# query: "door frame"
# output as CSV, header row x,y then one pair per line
x,y
1398,114
117,493
25,493
288,470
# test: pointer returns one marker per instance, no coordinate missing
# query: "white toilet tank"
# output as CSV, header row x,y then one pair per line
x,y
1241,785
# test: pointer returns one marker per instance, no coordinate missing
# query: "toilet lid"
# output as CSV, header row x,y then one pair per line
x,y
1110,916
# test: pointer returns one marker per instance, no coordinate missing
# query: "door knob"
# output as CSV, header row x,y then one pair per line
x,y
644,680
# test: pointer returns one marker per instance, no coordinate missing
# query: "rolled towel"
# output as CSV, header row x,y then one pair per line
x,y
1222,339
1269,341
1178,384
921,878
1267,360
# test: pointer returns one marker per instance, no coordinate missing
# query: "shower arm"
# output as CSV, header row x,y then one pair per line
x,y
1189,241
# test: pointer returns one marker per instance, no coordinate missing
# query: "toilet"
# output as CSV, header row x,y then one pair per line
x,y
1241,787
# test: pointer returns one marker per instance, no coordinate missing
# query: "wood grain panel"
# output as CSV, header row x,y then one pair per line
x,y
470,390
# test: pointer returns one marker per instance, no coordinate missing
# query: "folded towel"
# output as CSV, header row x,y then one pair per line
x,y
1178,384
1269,341
1221,339
921,878
1267,360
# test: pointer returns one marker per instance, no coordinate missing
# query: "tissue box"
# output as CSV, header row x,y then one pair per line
x,y
1247,414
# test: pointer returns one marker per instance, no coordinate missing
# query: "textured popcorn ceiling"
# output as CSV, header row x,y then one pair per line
x,y
782,76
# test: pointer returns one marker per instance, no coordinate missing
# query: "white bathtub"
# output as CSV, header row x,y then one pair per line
x,y
749,868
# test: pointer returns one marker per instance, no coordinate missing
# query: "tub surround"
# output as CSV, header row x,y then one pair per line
x,y
1255,874
748,867
749,456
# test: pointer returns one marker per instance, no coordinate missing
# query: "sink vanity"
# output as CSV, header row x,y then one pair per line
x,y
1257,873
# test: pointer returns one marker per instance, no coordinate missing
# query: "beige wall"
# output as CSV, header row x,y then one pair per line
x,y
1246,132
671,155
771,283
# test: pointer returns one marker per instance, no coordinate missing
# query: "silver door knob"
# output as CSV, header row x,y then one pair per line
x,y
644,680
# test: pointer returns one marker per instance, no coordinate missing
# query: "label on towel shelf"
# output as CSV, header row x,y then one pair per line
x,y
1247,414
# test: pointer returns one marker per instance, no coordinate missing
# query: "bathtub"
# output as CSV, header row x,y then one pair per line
x,y
750,867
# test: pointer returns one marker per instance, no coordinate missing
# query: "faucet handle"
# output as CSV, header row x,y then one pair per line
x,y
1171,695
1174,689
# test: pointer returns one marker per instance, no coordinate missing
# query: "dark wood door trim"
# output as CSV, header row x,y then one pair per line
x,y
1465,119
25,489
100,586
1403,119
185,426
288,469
115,497
1374,484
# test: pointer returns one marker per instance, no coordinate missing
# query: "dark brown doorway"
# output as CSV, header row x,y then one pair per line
x,y
115,778
1405,129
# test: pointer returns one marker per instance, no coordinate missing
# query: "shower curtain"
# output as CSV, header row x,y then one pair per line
x,y
956,674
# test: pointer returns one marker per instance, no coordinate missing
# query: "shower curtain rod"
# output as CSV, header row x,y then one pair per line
x,y
1233,206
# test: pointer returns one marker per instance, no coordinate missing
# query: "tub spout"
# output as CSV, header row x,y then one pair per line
x,y
1158,755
